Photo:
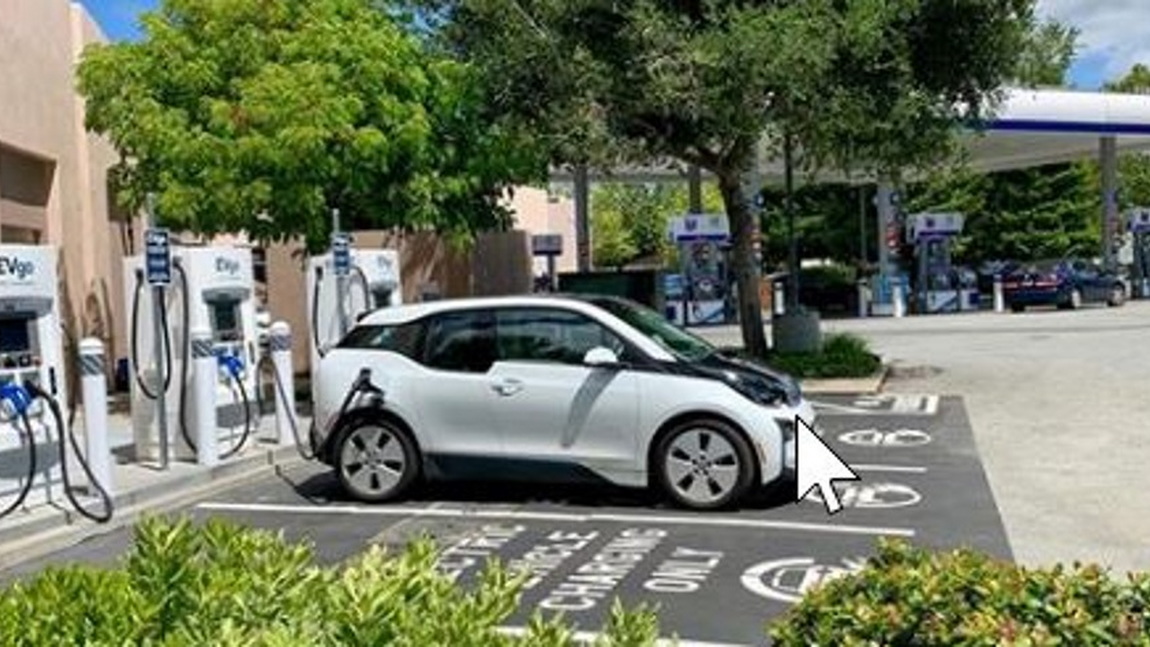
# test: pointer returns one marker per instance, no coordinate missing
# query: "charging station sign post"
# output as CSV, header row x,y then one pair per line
x,y
341,261
158,270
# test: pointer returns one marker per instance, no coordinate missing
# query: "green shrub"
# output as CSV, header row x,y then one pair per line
x,y
221,584
842,355
910,596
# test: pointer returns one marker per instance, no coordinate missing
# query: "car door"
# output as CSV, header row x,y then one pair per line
x,y
553,411
453,393
1088,280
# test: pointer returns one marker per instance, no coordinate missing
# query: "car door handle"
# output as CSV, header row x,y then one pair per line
x,y
506,387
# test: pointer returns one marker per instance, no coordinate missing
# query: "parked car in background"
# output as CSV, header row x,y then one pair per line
x,y
1067,284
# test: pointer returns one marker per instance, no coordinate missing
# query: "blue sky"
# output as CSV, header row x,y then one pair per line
x,y
1114,32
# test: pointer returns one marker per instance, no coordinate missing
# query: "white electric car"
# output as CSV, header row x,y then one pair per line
x,y
548,388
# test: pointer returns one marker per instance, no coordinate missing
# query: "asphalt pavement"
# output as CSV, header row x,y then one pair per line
x,y
717,578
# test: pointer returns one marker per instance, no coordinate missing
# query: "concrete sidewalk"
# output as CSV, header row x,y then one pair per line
x,y
48,521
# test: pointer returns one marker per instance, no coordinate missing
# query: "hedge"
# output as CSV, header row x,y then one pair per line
x,y
910,596
218,583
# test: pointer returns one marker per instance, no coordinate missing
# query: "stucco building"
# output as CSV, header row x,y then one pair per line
x,y
53,174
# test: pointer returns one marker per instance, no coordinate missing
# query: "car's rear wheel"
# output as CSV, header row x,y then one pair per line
x,y
704,465
376,460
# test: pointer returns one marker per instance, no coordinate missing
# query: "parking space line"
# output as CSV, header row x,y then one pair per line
x,y
526,515
591,638
905,469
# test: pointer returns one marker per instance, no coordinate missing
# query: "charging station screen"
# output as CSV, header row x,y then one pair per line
x,y
14,336
225,320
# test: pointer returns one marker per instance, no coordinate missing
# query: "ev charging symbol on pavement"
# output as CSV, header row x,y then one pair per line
x,y
874,496
877,438
786,580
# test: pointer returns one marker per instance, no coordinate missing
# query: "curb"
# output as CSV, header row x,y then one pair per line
x,y
848,386
64,527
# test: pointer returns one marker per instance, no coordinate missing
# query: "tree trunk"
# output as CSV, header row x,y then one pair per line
x,y
744,230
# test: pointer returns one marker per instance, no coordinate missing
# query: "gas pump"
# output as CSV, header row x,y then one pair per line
x,y
1138,224
940,287
373,283
32,384
213,288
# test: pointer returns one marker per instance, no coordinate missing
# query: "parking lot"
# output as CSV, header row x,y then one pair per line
x,y
717,577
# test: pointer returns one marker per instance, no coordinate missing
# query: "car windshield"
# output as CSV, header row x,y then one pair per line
x,y
680,343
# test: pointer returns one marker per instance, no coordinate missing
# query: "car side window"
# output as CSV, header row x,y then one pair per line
x,y
405,339
461,341
551,335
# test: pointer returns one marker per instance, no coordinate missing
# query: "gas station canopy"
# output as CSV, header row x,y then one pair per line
x,y
1030,128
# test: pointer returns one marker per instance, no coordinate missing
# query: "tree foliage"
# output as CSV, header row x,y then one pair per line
x,y
859,84
1134,169
259,116
1050,48
630,222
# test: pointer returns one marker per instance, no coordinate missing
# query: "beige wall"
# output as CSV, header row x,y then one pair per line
x,y
42,122
538,213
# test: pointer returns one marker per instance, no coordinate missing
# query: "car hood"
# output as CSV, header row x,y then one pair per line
x,y
750,369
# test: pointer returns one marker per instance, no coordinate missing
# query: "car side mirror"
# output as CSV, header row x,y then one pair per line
x,y
600,357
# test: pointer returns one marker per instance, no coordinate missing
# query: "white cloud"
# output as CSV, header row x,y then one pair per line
x,y
1117,31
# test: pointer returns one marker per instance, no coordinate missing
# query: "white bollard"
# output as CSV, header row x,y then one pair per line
x,y
864,299
897,301
94,391
999,298
780,298
279,345
205,371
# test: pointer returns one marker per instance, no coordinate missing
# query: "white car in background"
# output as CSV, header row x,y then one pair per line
x,y
548,388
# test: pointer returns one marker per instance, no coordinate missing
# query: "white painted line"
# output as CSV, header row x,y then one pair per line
x,y
669,520
591,637
904,469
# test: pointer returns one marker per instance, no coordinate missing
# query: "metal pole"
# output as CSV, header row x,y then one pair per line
x,y
158,350
793,245
582,219
862,227
340,280
1109,154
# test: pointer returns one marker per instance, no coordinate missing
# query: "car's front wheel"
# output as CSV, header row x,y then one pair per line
x,y
704,465
1117,296
376,460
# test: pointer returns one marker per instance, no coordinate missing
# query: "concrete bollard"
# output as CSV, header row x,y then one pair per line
x,y
780,298
204,377
279,345
999,297
897,302
864,299
94,391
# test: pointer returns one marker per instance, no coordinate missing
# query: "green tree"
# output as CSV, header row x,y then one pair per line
x,y
862,83
259,116
641,213
1047,55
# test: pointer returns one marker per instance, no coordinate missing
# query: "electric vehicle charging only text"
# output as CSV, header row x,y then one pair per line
x,y
213,290
34,432
373,282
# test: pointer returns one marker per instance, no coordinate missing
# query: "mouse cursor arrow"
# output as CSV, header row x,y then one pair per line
x,y
817,465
